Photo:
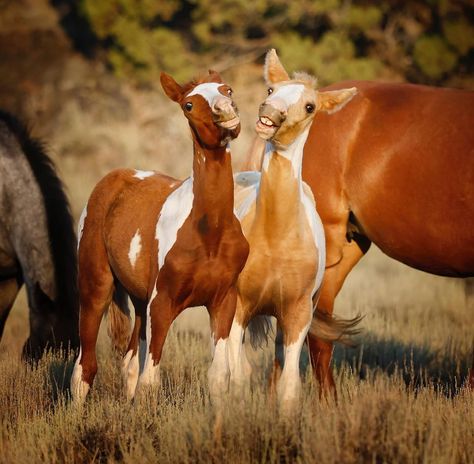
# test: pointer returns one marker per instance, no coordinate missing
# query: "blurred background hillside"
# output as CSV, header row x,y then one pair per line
x,y
85,73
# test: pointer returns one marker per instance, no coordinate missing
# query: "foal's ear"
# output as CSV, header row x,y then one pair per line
x,y
333,100
214,76
171,87
273,70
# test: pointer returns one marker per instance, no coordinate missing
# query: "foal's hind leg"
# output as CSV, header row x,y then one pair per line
x,y
95,290
9,289
136,351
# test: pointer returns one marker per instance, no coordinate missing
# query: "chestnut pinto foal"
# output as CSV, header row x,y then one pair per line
x,y
285,267
168,244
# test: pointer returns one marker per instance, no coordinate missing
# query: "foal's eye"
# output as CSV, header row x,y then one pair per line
x,y
309,108
229,92
188,106
270,90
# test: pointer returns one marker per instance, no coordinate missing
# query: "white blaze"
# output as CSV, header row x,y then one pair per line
x,y
290,94
208,90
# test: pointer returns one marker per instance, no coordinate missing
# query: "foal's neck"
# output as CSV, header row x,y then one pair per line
x,y
213,184
281,186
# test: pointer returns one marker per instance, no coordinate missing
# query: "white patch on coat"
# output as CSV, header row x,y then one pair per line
x,y
79,388
135,248
208,90
293,153
319,238
290,94
80,226
174,212
143,174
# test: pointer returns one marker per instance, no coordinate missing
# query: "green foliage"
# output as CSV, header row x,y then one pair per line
x,y
138,47
336,39
460,34
331,59
433,56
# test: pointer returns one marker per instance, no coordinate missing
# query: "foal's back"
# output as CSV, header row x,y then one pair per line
x,y
122,227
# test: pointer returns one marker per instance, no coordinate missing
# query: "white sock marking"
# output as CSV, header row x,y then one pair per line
x,y
79,388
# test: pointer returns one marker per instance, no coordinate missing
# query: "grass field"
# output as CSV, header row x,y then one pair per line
x,y
400,391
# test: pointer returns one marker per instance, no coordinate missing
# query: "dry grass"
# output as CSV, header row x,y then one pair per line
x,y
399,392
400,395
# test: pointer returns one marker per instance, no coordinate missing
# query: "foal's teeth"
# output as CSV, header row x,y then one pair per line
x,y
266,121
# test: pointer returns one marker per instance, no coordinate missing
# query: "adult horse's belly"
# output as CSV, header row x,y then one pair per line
x,y
401,158
410,184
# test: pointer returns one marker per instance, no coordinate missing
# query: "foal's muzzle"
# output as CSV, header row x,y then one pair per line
x,y
269,120
225,113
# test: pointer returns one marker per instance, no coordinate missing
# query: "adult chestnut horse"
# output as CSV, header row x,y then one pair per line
x,y
395,167
169,244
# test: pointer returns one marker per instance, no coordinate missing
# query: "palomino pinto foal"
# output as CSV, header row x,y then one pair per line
x,y
168,244
286,263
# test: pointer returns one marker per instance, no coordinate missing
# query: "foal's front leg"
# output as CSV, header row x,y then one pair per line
x,y
240,369
161,312
221,315
289,384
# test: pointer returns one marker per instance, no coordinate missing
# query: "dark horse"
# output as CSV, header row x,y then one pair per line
x,y
396,168
37,241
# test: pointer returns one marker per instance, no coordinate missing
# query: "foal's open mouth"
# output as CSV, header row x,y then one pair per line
x,y
230,123
265,127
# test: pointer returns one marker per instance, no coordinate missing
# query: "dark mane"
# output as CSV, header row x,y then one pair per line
x,y
62,236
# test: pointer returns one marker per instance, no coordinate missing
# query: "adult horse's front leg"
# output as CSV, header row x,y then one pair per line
x,y
335,275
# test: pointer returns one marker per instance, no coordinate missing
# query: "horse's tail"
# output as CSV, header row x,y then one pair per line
x,y
334,329
119,320
259,328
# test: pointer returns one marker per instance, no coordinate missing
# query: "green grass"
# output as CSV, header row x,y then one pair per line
x,y
400,394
